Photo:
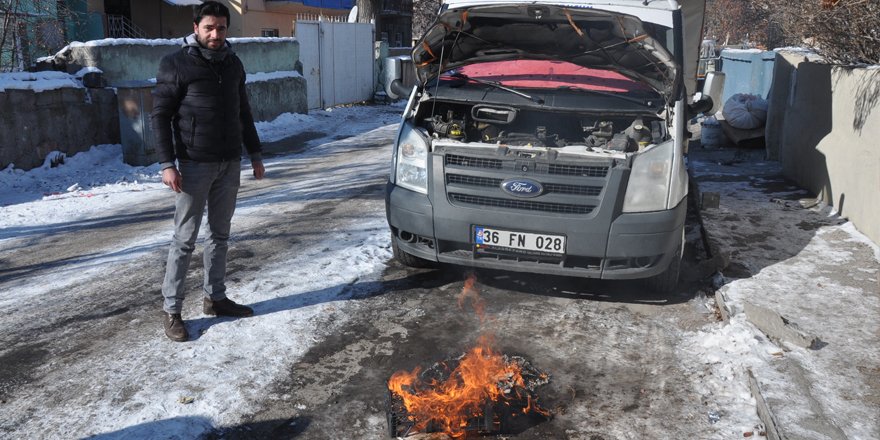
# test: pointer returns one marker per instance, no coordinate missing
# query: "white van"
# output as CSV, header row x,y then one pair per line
x,y
549,137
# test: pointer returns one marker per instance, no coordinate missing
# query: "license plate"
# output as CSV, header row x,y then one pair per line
x,y
527,242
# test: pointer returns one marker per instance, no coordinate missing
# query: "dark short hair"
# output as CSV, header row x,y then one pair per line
x,y
214,9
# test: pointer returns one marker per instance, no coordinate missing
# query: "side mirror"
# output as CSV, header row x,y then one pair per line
x,y
714,88
704,104
393,72
709,99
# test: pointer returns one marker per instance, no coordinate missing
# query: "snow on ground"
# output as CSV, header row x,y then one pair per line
x,y
89,184
842,315
816,270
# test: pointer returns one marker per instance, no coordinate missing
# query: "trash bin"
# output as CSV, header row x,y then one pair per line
x,y
136,133
711,135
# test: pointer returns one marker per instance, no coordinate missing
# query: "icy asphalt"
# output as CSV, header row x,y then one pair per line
x,y
797,274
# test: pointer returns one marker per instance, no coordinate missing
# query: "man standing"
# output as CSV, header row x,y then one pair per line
x,y
201,118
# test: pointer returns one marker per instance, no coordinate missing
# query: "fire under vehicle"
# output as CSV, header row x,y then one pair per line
x,y
549,136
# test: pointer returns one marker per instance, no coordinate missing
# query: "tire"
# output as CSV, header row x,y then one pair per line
x,y
407,259
667,281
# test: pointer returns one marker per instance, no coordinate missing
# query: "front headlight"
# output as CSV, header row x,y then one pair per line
x,y
658,180
411,160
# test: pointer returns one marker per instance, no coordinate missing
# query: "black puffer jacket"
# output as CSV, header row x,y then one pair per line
x,y
203,107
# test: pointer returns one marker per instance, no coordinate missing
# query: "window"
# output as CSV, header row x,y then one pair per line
x,y
269,33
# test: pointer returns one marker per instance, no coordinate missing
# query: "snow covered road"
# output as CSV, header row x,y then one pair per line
x,y
81,270
83,355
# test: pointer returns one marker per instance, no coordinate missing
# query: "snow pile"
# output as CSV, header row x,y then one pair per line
x,y
37,81
99,171
263,76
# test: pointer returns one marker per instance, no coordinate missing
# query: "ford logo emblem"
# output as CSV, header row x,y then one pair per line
x,y
522,187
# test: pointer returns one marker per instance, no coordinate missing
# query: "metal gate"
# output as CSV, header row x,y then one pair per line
x,y
337,61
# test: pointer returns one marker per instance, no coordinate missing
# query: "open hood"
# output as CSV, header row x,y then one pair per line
x,y
626,36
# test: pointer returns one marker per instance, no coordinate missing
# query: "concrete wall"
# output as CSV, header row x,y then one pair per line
x,y
268,54
280,95
69,120
72,120
139,60
829,138
777,100
747,71
276,96
784,69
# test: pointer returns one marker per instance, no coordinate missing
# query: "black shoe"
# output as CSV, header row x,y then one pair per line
x,y
226,307
174,328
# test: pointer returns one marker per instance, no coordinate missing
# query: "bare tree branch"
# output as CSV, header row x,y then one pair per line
x,y
36,27
843,31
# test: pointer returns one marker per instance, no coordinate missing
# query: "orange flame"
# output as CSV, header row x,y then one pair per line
x,y
481,376
470,293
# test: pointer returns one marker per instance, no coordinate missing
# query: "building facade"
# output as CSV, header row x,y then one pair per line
x,y
38,28
249,18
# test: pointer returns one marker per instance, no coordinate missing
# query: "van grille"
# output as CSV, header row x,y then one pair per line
x,y
571,187
523,205
578,170
487,182
473,162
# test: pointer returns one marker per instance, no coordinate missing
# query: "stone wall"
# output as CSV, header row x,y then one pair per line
x,y
68,120
828,140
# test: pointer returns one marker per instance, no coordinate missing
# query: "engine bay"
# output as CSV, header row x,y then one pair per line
x,y
506,125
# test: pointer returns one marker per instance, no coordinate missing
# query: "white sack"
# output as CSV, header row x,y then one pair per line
x,y
745,111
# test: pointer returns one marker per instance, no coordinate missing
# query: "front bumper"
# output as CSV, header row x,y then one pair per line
x,y
605,245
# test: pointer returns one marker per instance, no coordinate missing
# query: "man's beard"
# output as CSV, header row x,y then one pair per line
x,y
204,43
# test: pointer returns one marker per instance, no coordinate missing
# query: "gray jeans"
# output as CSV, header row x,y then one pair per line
x,y
214,184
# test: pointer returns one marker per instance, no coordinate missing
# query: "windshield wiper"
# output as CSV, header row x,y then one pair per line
x,y
536,99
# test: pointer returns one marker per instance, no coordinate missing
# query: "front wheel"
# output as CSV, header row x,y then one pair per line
x,y
667,281
408,259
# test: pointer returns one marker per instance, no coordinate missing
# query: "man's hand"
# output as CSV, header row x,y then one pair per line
x,y
259,170
172,178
